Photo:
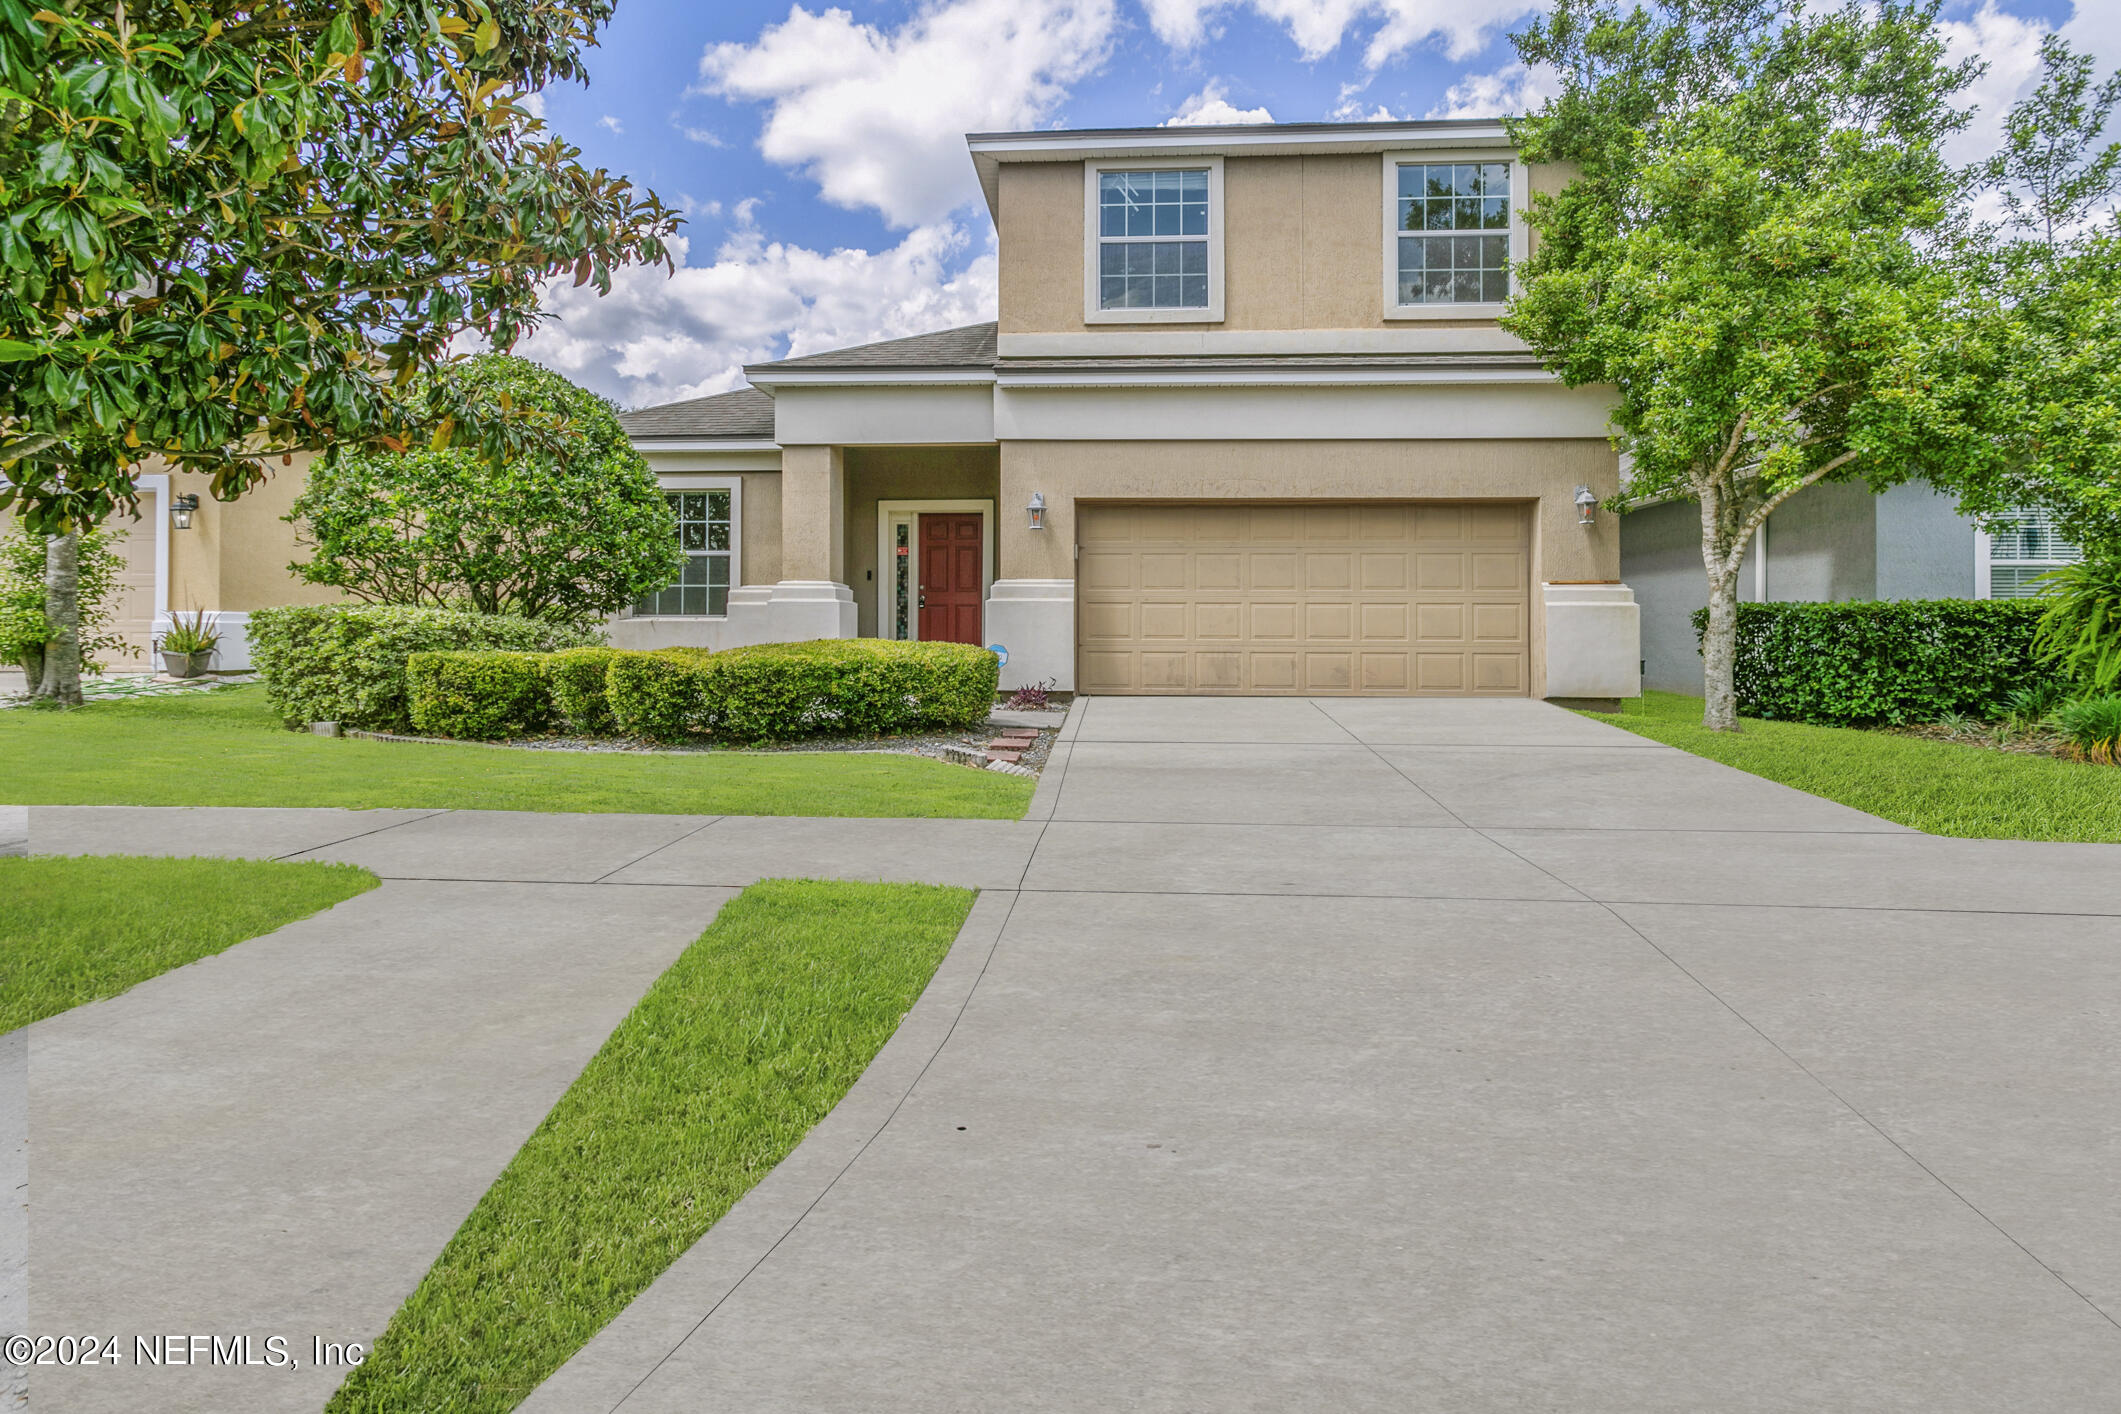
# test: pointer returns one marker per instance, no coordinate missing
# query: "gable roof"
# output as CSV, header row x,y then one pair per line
x,y
973,346
743,415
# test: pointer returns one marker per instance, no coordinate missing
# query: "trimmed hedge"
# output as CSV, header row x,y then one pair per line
x,y
659,695
852,686
770,692
576,679
346,662
1856,664
479,695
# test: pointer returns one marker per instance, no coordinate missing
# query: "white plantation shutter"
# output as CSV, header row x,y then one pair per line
x,y
2021,548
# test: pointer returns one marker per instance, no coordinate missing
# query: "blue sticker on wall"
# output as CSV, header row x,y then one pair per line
x,y
998,651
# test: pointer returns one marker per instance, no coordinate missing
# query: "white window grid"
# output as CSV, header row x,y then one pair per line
x,y
706,529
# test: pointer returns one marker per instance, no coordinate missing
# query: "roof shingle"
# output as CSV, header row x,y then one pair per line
x,y
970,347
746,414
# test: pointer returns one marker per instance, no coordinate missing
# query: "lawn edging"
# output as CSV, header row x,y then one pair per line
x,y
601,1371
660,1318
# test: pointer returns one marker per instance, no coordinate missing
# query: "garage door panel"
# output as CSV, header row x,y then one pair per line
x,y
1289,598
1332,621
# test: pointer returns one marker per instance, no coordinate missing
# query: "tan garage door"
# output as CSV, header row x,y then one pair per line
x,y
1259,598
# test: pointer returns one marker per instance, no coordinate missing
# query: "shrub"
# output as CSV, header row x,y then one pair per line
x,y
23,628
575,679
346,662
479,695
659,695
2094,728
2080,620
1899,661
779,691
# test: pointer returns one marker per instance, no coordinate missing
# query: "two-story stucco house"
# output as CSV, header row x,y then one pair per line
x,y
1245,424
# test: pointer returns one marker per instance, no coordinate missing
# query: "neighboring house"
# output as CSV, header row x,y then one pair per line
x,y
1246,423
1828,543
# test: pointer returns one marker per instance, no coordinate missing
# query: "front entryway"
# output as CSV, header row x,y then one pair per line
x,y
1305,599
952,582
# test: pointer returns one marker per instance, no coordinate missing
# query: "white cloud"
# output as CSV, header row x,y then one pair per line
x,y
1318,27
611,124
1211,107
1510,91
659,337
2096,30
877,117
2011,48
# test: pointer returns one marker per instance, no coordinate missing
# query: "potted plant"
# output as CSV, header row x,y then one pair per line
x,y
190,644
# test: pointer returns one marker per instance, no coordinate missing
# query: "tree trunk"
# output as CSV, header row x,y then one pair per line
x,y
62,609
1719,654
32,664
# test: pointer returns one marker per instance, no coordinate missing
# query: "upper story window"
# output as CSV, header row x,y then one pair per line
x,y
2011,558
1154,237
1451,235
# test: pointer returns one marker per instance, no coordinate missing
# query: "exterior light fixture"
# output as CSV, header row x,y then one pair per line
x,y
1586,505
1037,510
180,510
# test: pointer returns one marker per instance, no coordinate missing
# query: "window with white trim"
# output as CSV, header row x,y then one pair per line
x,y
706,521
1152,239
2020,548
1452,234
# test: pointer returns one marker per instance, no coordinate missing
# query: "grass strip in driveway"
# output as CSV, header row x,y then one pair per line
x,y
749,1038
226,747
1940,787
76,930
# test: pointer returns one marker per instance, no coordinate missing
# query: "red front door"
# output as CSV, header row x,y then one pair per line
x,y
950,578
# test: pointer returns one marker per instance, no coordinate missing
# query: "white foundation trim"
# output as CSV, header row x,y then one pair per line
x,y
233,656
1035,620
889,514
1594,641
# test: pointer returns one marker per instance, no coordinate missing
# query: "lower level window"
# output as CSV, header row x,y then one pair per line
x,y
2021,548
702,590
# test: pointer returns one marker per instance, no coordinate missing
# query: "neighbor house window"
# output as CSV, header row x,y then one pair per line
x,y
706,533
1450,234
2017,551
1153,236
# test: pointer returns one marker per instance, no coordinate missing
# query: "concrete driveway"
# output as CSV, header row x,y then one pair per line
x,y
1299,1055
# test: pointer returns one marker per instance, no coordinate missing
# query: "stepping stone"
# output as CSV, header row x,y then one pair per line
x,y
1011,757
1006,744
1019,734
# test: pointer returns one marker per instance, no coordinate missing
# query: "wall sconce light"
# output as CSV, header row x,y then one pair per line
x,y
1037,510
180,510
1586,505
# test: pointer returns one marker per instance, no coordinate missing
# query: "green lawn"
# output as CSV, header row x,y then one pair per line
x,y
74,930
226,748
734,1053
1941,787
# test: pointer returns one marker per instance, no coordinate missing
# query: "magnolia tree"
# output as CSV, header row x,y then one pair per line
x,y
569,532
1757,254
232,231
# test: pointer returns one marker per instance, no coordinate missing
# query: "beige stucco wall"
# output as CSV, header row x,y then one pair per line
x,y
1304,246
760,549
876,474
1546,471
235,556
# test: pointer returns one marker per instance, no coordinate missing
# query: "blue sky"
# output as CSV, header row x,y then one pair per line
x,y
818,154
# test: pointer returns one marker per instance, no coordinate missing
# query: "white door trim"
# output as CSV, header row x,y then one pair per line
x,y
890,513
158,483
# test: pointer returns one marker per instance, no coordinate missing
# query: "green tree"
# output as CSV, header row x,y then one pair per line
x,y
25,630
2051,279
1755,254
230,232
568,532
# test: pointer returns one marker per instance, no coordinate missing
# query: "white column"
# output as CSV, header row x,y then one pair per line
x,y
1594,641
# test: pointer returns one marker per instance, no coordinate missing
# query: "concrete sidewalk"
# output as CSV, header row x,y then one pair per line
x,y
1351,1054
